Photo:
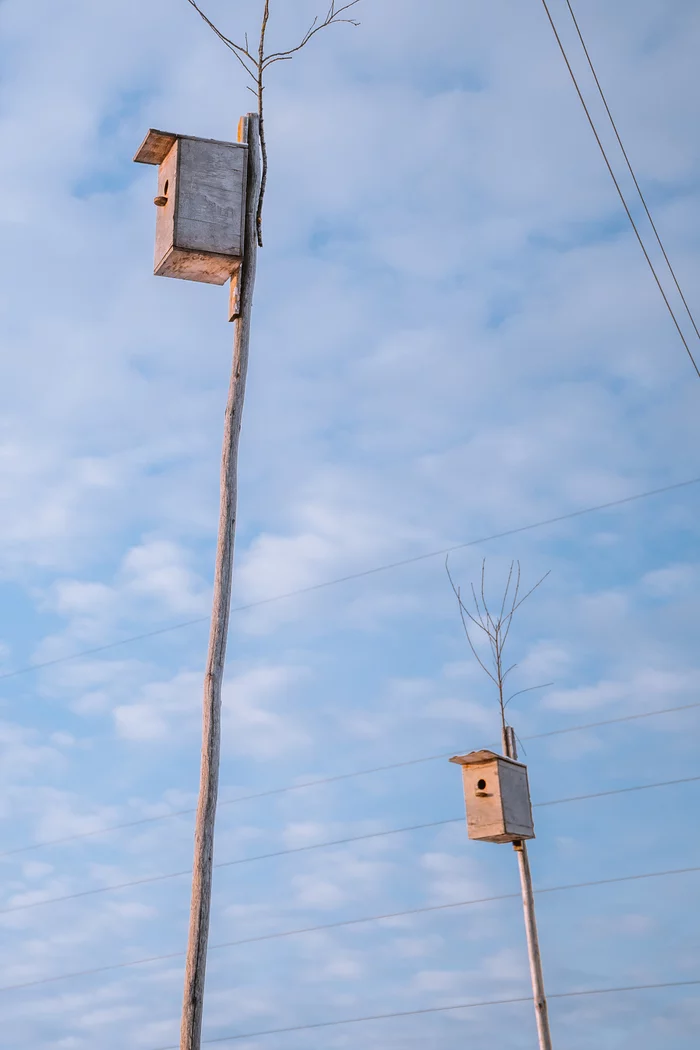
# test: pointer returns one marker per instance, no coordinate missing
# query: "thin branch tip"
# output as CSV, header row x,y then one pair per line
x,y
495,626
256,65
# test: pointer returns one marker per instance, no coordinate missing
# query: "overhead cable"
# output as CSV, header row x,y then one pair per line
x,y
619,190
353,576
441,1009
319,781
366,919
148,879
631,169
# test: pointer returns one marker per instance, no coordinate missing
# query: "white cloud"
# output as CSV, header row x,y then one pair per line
x,y
672,581
646,688
153,581
452,878
252,726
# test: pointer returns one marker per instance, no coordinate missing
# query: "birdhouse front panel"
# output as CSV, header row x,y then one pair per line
x,y
200,220
497,797
165,212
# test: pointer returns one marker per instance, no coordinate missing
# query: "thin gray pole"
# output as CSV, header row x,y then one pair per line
x,y
533,943
192,1006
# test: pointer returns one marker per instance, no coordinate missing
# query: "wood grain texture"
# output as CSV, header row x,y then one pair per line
x,y
196,266
544,1036
515,800
497,797
165,217
195,971
210,211
234,298
155,147
200,231
533,949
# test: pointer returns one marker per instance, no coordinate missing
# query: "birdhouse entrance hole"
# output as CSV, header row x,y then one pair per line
x,y
200,223
497,797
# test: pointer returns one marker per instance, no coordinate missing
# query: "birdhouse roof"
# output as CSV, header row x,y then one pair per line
x,y
155,147
478,758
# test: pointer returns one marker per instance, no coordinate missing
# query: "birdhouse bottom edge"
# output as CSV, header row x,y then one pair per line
x,y
204,267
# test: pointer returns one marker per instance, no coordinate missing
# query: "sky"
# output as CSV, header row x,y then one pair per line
x,y
455,335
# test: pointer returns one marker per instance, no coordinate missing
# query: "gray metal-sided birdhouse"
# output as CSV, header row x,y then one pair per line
x,y
497,796
200,205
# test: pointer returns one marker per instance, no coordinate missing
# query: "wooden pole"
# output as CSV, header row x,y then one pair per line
x,y
191,1027
510,750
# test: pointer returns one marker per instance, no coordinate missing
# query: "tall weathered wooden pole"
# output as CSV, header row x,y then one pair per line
x,y
533,942
193,1001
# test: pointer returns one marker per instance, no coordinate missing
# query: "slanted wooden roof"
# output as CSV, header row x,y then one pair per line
x,y
155,147
477,758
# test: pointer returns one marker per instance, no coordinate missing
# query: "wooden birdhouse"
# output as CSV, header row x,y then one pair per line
x,y
200,205
497,796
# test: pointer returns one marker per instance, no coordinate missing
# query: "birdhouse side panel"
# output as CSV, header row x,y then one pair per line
x,y
165,215
482,796
210,206
517,808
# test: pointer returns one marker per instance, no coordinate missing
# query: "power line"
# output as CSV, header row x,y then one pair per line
x,y
331,780
355,576
619,190
323,845
344,923
611,721
442,1009
616,791
631,169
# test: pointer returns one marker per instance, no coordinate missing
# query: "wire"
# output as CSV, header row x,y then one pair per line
x,y
441,1009
612,721
619,190
330,780
631,169
343,923
323,845
616,791
356,576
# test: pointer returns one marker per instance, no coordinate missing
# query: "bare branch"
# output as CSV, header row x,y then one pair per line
x,y
505,593
240,52
496,627
474,621
261,115
478,608
545,685
256,65
506,673
509,618
462,611
332,18
531,591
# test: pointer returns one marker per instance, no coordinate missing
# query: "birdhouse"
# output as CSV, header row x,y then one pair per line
x,y
200,205
497,796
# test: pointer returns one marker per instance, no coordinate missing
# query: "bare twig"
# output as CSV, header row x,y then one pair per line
x,y
255,66
241,53
332,18
530,688
496,627
464,612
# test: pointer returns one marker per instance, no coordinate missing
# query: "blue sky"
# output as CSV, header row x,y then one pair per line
x,y
455,335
